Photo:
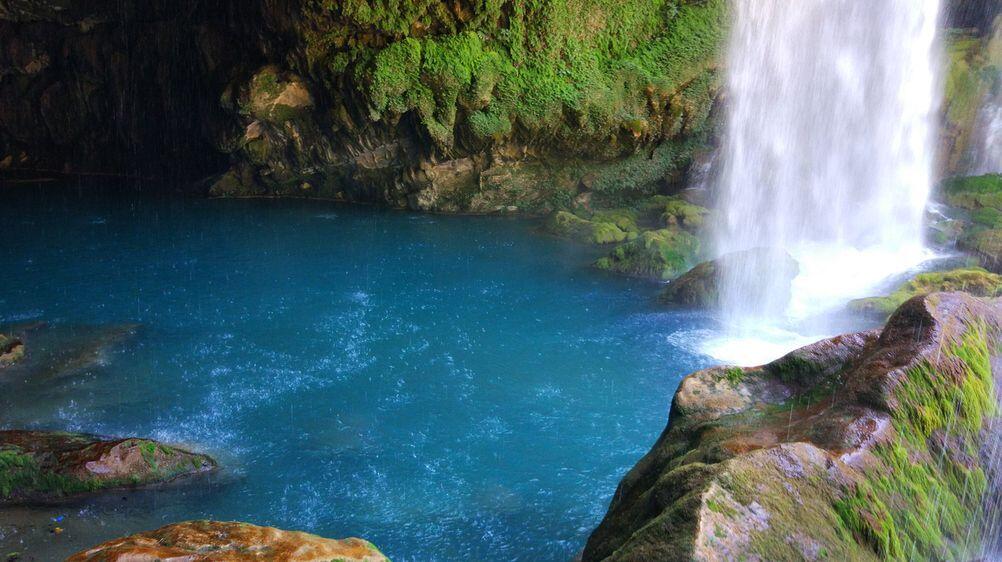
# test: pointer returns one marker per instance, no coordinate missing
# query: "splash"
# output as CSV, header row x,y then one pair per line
x,y
827,158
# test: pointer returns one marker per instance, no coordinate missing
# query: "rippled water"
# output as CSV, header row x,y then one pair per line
x,y
450,388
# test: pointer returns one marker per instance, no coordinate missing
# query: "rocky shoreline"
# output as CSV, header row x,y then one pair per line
x,y
868,446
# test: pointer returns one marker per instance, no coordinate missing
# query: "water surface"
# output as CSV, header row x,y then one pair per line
x,y
450,388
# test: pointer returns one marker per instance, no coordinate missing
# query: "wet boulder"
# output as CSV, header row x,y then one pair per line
x,y
44,465
869,446
204,541
700,286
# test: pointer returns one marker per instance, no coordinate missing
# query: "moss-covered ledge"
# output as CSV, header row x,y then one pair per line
x,y
867,446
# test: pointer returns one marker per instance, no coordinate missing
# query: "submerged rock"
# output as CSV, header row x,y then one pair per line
x,y
11,350
700,286
205,541
44,465
973,280
867,446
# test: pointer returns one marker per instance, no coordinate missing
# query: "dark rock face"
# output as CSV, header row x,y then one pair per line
x,y
122,88
447,106
41,465
860,447
216,541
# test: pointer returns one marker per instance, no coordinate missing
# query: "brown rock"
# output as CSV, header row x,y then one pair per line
x,y
41,465
215,541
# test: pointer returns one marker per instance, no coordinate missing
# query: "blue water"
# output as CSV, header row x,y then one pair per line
x,y
450,388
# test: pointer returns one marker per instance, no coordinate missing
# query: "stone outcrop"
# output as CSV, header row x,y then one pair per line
x,y
869,446
42,465
215,541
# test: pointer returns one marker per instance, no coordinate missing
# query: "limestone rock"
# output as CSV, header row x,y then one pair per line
x,y
215,541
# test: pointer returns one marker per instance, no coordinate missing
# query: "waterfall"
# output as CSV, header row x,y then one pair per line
x,y
827,156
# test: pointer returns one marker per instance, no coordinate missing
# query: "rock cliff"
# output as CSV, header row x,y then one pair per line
x,y
869,446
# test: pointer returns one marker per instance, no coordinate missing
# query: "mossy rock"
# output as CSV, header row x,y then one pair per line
x,y
657,254
861,447
986,245
681,213
601,230
975,192
44,465
700,286
974,280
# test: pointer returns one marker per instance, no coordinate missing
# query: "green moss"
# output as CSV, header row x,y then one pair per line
x,y
149,452
920,503
734,375
974,192
678,212
659,254
973,280
602,230
21,473
972,72
566,70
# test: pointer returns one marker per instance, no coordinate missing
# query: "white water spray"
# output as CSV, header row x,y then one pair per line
x,y
987,149
827,156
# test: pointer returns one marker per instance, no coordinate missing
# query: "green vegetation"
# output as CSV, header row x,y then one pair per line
x,y
20,472
921,503
972,71
660,254
975,193
734,375
597,231
973,280
982,197
600,70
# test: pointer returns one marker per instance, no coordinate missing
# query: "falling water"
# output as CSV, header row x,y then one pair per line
x,y
988,150
827,156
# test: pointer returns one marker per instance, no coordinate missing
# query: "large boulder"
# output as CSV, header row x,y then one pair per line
x,y
870,446
43,465
700,286
215,541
